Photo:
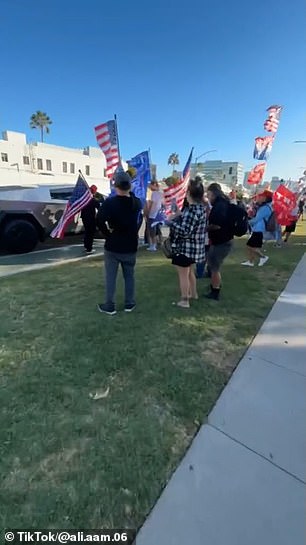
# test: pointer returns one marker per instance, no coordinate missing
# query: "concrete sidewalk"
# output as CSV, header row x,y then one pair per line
x,y
242,482
43,259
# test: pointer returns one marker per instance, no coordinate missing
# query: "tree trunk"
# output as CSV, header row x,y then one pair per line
x,y
42,133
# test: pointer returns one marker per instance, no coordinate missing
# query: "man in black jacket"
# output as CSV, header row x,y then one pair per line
x,y
88,215
119,219
221,236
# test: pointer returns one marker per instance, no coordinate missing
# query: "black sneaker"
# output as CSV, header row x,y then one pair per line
x,y
129,308
107,309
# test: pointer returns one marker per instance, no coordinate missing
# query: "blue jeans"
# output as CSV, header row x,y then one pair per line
x,y
112,260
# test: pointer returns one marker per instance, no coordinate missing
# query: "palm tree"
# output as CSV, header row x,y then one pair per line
x,y
41,120
173,160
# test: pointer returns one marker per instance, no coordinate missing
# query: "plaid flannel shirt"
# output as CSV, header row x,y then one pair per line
x,y
187,233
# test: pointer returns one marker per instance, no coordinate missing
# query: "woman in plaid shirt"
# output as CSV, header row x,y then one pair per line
x,y
187,234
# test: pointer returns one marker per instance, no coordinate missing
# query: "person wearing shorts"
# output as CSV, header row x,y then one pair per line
x,y
221,236
289,229
187,234
153,208
258,225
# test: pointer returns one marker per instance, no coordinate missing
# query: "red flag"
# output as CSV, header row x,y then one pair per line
x,y
256,175
284,203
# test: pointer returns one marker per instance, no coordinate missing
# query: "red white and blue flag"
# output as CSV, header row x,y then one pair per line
x,y
107,139
177,192
263,147
80,197
272,121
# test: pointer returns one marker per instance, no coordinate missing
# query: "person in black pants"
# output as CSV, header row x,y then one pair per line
x,y
88,215
119,219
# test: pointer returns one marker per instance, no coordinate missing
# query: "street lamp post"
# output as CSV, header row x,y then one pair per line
x,y
205,153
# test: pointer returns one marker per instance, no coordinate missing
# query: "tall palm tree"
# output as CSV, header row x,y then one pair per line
x,y
173,160
42,121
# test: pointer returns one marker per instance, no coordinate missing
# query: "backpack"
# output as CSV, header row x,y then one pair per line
x,y
239,220
270,223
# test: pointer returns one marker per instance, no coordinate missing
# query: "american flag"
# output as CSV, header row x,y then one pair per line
x,y
80,197
263,147
107,139
272,121
176,193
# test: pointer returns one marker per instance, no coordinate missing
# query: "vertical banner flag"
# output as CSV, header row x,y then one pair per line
x,y
107,139
263,147
256,174
284,203
176,193
141,163
80,197
272,121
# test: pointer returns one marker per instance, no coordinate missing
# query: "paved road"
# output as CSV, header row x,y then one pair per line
x,y
48,257
242,482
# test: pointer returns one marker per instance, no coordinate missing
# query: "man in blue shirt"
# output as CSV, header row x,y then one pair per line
x,y
258,226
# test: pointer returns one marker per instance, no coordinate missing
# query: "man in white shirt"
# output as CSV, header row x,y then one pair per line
x,y
153,207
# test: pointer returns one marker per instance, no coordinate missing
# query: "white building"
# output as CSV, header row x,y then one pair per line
x,y
229,173
31,163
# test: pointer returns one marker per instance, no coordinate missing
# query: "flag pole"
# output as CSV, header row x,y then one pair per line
x,y
83,178
118,145
150,163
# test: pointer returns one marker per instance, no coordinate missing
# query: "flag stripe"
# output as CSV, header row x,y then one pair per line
x,y
80,197
106,135
178,191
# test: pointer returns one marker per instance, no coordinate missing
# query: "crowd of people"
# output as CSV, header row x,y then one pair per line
x,y
200,235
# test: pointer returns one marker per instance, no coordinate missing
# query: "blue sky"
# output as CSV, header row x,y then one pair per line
x,y
177,73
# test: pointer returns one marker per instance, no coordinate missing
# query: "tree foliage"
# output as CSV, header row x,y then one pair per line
x,y
40,120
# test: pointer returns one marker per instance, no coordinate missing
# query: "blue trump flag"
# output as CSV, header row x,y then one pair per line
x,y
140,184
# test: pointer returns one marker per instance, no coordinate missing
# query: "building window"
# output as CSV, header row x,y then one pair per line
x,y
224,176
87,170
48,164
4,157
230,170
26,160
65,167
72,168
39,164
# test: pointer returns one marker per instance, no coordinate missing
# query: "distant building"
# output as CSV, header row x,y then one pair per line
x,y
30,163
245,179
229,173
275,181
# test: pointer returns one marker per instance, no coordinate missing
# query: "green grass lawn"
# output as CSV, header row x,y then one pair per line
x,y
70,461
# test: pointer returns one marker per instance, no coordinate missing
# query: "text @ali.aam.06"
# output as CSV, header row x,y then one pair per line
x,y
116,537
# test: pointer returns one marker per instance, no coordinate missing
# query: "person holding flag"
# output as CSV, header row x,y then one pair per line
x,y
88,216
258,225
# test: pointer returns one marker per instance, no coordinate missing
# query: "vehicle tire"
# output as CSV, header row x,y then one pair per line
x,y
19,236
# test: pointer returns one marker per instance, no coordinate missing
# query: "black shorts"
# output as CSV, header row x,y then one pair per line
x,y
255,240
181,260
152,230
290,228
216,255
